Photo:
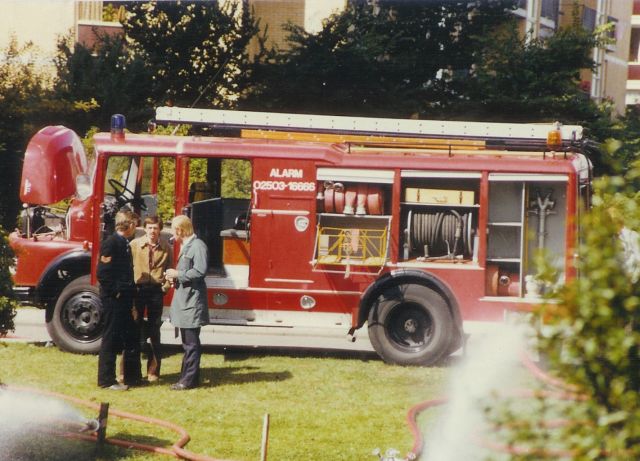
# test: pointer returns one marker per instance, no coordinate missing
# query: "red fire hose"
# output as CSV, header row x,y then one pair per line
x,y
562,391
177,449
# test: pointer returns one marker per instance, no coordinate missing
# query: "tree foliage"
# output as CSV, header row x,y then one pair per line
x,y
195,52
622,141
24,103
8,303
98,83
536,80
592,331
378,59
182,53
435,60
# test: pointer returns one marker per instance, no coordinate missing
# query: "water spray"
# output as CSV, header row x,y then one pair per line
x,y
94,430
482,438
92,425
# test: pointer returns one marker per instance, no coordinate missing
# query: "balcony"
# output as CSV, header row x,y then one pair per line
x,y
633,72
88,31
633,84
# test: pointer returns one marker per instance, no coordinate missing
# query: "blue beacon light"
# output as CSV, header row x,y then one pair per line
x,y
118,124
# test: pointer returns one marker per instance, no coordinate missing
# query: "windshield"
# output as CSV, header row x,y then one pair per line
x,y
120,180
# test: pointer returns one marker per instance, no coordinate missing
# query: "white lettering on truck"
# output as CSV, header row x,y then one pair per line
x,y
285,173
292,186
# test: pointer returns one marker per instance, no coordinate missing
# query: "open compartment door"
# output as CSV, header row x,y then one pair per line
x,y
351,244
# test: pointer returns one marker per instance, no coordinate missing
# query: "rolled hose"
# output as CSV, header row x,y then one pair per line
x,y
443,233
177,449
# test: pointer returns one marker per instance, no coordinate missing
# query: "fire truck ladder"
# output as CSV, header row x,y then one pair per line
x,y
397,130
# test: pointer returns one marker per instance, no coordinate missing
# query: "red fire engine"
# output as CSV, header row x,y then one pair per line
x,y
421,230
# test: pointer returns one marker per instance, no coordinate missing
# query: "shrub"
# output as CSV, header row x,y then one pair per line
x,y
8,303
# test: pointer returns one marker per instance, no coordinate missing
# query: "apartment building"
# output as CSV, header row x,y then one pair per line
x,y
633,76
617,77
43,23
540,18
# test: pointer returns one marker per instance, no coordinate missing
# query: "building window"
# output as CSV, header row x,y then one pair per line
x,y
550,9
589,19
635,42
612,34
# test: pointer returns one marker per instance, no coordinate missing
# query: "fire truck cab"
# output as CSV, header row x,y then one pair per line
x,y
420,230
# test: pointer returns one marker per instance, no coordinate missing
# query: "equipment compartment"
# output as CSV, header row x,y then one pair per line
x,y
439,216
351,241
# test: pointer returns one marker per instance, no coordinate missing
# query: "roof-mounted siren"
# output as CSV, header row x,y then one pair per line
x,y
118,124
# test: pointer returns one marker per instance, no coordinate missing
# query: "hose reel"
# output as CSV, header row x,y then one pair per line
x,y
440,234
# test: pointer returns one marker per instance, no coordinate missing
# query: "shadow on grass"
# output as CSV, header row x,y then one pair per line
x,y
239,353
216,377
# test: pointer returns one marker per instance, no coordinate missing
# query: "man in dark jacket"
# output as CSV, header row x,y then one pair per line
x,y
115,274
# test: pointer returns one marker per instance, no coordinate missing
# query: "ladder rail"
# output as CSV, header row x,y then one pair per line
x,y
364,125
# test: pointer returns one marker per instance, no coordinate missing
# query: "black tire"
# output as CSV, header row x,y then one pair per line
x,y
76,323
411,325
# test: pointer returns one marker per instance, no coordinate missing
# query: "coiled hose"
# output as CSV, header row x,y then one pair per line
x,y
440,234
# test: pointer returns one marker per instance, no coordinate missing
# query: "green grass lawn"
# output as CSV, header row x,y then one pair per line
x,y
325,406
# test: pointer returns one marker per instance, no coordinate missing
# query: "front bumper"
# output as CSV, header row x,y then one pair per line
x,y
25,295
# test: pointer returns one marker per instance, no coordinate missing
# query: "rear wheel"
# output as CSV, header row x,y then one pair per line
x,y
411,325
76,324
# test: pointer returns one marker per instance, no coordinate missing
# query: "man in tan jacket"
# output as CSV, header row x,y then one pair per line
x,y
151,258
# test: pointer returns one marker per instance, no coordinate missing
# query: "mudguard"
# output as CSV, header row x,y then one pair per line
x,y
62,270
400,276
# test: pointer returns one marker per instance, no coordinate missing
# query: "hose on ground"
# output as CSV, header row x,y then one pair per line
x,y
561,391
177,449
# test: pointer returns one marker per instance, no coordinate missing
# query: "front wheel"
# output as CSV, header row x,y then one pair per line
x,y
411,325
76,324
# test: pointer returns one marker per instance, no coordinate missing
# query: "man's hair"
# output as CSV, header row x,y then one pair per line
x,y
124,219
153,220
183,222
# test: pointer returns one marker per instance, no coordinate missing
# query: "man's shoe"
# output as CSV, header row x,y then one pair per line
x,y
180,387
118,387
153,378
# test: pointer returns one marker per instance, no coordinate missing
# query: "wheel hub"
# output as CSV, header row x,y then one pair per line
x,y
411,326
81,316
